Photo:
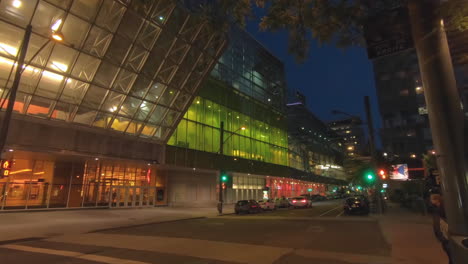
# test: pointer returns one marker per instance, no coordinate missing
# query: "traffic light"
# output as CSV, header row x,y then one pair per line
x,y
369,176
226,179
382,174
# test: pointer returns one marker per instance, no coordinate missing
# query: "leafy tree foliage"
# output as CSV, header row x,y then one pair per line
x,y
339,22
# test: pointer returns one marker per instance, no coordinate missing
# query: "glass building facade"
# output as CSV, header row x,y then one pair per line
x,y
250,68
246,91
313,146
120,66
114,88
200,130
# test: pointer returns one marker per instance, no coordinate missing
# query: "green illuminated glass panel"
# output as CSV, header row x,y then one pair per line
x,y
259,141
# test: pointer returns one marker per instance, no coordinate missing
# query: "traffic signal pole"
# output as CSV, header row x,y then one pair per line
x,y
370,128
221,153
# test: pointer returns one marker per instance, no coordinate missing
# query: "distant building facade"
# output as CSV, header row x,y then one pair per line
x,y
405,125
406,130
313,147
351,132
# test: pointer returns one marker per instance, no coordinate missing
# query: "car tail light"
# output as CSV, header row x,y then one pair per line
x,y
254,206
294,201
304,201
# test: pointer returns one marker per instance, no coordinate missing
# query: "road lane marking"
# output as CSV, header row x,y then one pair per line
x,y
315,229
72,254
340,214
347,257
296,218
330,210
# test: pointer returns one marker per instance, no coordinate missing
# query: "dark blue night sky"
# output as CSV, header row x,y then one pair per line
x,y
330,78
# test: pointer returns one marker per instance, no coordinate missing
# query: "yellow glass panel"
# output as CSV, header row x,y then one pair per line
x,y
120,124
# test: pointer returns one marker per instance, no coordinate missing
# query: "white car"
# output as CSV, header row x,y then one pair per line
x,y
267,204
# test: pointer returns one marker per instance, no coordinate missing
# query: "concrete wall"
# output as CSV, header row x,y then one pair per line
x,y
191,188
34,134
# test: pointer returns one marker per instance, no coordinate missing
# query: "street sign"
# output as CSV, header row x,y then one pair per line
x,y
388,32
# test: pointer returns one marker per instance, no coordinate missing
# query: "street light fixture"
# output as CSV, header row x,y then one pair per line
x,y
19,70
57,36
16,3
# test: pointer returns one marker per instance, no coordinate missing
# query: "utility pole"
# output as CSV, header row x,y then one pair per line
x,y
221,153
446,118
14,89
370,129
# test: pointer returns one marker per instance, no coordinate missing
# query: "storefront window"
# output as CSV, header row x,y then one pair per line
x,y
54,184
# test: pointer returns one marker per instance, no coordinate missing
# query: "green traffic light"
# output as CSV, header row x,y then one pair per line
x,y
224,178
370,176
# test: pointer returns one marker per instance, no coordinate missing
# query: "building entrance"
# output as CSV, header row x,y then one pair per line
x,y
133,196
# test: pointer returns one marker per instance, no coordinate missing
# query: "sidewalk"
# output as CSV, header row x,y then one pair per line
x,y
411,237
24,225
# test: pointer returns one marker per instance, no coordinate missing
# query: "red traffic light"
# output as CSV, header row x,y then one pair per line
x,y
382,174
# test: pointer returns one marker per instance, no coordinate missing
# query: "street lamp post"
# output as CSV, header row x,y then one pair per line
x,y
20,67
14,89
221,152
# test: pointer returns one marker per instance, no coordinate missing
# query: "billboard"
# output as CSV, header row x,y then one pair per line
x,y
400,172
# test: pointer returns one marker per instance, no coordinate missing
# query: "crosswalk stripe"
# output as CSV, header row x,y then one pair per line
x,y
216,250
206,249
72,254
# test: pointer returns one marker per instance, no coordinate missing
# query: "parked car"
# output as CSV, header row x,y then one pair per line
x,y
300,202
356,205
247,206
267,204
282,202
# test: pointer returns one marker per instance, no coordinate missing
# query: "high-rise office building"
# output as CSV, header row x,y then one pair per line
x,y
351,132
406,129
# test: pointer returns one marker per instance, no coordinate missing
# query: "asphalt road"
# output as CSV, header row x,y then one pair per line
x,y
316,235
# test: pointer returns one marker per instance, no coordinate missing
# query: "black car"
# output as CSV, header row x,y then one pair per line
x,y
356,205
247,206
